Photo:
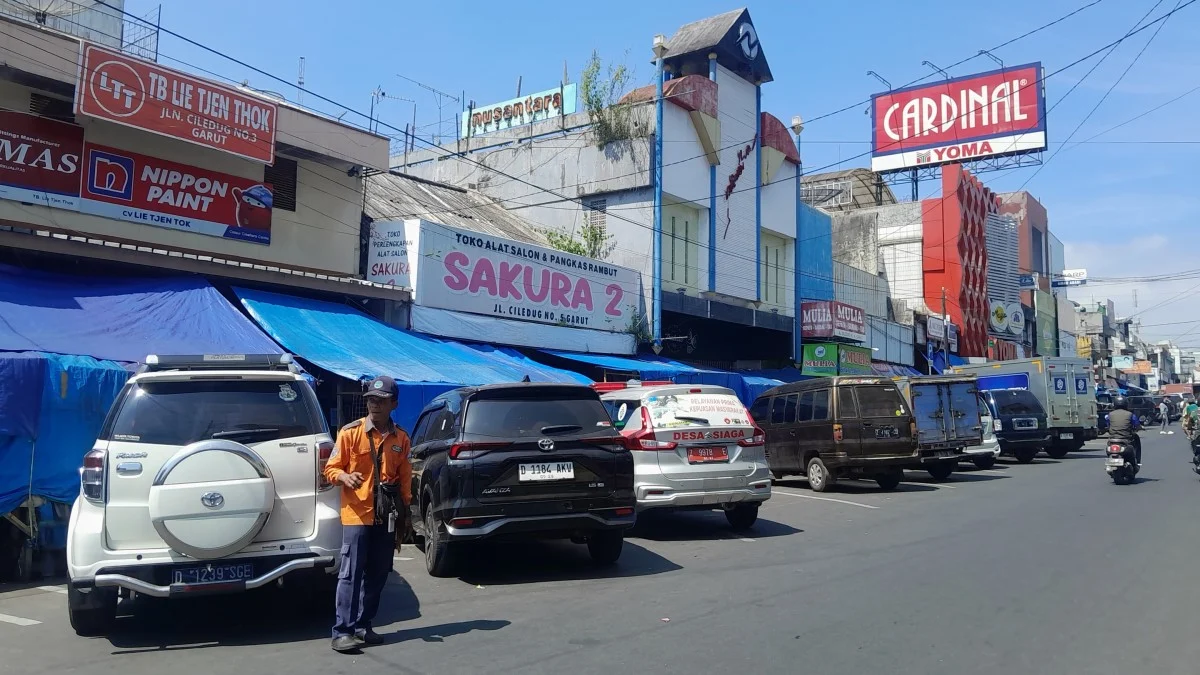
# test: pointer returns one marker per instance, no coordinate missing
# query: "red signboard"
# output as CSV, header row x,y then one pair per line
x,y
830,318
39,160
998,112
118,88
129,186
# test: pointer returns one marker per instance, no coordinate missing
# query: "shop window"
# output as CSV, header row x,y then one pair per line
x,y
773,270
281,176
683,255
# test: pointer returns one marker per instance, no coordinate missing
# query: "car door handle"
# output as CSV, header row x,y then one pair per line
x,y
868,424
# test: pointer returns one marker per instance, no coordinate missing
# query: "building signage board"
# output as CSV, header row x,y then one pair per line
x,y
466,271
953,338
854,360
1068,278
820,360
1122,362
964,118
935,328
1142,368
125,185
40,160
118,88
519,111
832,319
1027,282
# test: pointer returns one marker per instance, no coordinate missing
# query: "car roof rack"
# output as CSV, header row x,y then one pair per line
x,y
164,362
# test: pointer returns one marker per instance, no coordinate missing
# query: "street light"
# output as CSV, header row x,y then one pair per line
x,y
660,50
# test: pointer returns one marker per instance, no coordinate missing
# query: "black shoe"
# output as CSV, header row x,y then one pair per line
x,y
369,637
345,644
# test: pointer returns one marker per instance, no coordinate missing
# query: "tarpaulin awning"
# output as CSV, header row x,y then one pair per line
x,y
70,396
782,374
938,361
351,344
121,319
757,386
893,369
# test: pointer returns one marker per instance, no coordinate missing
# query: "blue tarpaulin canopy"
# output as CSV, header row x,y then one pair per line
x,y
349,343
121,319
939,361
44,437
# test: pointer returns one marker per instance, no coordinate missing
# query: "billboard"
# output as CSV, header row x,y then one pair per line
x,y
960,119
1122,362
1006,319
519,111
474,272
40,160
819,360
1069,278
118,88
854,360
125,185
830,318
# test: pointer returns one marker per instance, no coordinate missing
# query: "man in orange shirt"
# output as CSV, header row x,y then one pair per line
x,y
367,537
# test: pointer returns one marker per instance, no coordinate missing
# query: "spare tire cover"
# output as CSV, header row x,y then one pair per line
x,y
211,499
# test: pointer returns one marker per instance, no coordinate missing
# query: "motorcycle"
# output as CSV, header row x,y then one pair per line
x,y
1122,463
1194,442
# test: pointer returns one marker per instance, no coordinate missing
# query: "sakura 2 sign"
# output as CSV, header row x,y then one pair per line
x,y
965,118
118,88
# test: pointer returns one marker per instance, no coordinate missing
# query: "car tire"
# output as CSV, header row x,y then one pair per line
x,y
741,516
1025,455
984,462
93,613
889,481
439,557
605,547
819,477
1057,451
941,471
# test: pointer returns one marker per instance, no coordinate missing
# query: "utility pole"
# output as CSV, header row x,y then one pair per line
x,y
946,341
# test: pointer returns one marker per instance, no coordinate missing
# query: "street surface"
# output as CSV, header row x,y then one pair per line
x,y
1042,568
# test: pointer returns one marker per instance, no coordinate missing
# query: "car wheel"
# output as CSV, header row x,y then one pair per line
x,y
438,556
741,516
889,481
1025,455
819,478
605,547
1057,451
91,613
984,462
941,471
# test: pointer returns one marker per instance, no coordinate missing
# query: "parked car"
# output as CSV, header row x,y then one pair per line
x,y
694,447
519,461
1145,407
985,454
1019,422
838,427
177,495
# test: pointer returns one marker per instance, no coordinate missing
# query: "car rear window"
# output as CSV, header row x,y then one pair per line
x,y
620,411
245,411
703,409
1016,402
880,402
526,417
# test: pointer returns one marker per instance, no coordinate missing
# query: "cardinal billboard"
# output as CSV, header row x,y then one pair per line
x,y
39,160
965,118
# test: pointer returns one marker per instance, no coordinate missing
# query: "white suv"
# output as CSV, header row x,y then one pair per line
x,y
205,479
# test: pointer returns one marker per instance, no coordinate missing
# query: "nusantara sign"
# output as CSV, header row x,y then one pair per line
x,y
519,111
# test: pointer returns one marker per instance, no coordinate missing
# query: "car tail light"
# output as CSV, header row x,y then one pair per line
x,y
912,428
624,512
324,452
473,450
838,434
93,476
462,522
758,438
644,439
997,425
603,387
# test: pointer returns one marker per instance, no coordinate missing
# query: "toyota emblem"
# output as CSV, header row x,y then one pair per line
x,y
545,444
212,500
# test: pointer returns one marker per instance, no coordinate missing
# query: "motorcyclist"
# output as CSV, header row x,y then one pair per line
x,y
1123,426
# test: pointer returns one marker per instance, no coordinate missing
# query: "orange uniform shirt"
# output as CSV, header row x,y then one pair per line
x,y
353,453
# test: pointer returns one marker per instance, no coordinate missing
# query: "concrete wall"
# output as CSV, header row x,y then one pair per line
x,y
779,202
322,234
856,239
862,289
736,225
685,167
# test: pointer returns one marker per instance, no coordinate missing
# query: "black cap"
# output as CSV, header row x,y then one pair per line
x,y
382,387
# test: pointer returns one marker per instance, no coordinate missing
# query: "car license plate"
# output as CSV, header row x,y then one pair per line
x,y
705,455
546,471
214,574
945,453
1066,437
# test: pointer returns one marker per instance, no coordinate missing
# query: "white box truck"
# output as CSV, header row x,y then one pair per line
x,y
1063,385
946,408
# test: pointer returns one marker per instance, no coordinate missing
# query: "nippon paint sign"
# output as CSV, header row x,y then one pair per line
x,y
519,111
965,118
466,271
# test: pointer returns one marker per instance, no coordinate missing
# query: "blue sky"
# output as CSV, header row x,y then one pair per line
x,y
1121,202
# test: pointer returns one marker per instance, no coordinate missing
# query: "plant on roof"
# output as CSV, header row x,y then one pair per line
x,y
602,90
592,241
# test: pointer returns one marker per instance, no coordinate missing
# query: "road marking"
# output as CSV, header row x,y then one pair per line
x,y
821,499
53,589
18,620
940,485
994,472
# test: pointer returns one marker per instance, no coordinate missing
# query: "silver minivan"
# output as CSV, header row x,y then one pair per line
x,y
694,447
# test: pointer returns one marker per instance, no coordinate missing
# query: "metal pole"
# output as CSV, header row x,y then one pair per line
x,y
915,183
659,53
712,196
946,337
758,191
797,298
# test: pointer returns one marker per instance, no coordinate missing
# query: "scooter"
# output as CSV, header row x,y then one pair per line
x,y
1122,463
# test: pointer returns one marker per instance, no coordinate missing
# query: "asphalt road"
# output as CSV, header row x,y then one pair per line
x,y
1042,568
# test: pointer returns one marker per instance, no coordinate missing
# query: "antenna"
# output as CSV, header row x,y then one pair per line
x,y
39,11
300,82
441,97
378,95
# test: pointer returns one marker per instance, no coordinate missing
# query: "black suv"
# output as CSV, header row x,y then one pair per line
x,y
519,461
1145,407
